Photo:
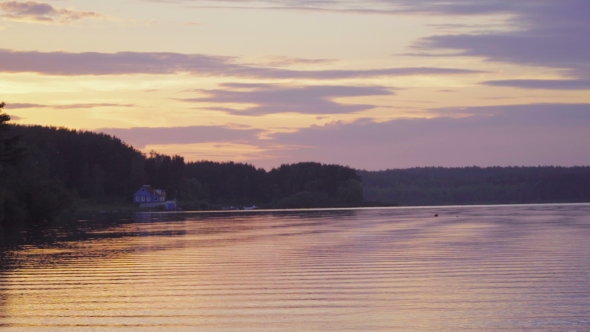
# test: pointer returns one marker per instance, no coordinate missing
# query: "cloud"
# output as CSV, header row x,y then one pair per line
x,y
280,61
272,99
39,12
365,132
535,134
76,106
545,33
526,115
141,137
15,106
463,7
65,106
551,34
509,135
543,134
387,7
125,63
542,84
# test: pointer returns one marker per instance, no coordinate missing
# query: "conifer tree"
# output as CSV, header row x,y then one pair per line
x,y
10,152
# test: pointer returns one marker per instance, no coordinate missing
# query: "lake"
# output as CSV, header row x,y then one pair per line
x,y
494,268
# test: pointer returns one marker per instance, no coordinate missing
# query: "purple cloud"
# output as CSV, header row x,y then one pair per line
x,y
542,84
547,33
535,134
41,12
387,7
462,7
545,134
271,99
552,34
15,106
140,137
527,115
125,63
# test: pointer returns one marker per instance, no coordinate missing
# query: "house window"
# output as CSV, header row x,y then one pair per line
x,y
137,198
143,198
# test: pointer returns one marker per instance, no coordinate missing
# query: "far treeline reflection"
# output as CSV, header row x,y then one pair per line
x,y
46,172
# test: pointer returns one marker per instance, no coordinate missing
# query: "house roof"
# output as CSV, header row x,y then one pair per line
x,y
149,189
152,191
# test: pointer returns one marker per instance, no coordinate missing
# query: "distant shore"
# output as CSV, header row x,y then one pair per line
x,y
111,205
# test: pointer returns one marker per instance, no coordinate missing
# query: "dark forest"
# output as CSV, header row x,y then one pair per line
x,y
475,185
46,172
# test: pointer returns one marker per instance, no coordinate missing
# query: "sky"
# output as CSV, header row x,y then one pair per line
x,y
371,84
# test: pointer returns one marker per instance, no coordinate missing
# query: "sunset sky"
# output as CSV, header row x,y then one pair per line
x,y
372,84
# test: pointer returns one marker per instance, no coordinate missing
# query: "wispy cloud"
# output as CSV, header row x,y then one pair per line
x,y
273,99
125,63
16,106
40,12
65,106
382,7
534,134
544,33
551,34
542,84
141,137
281,61
537,134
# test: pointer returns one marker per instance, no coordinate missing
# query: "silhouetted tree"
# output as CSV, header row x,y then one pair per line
x,y
10,152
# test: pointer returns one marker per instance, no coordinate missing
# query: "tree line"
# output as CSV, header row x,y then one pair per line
x,y
44,171
475,185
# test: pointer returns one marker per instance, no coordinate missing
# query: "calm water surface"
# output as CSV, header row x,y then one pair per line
x,y
517,268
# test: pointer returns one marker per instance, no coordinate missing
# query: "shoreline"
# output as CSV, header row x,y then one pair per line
x,y
360,208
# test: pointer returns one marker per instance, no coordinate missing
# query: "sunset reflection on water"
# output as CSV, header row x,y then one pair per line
x,y
507,268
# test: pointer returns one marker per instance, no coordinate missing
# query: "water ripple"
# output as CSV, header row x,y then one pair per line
x,y
511,268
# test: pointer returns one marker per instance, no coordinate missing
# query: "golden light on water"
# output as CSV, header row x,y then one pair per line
x,y
508,268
